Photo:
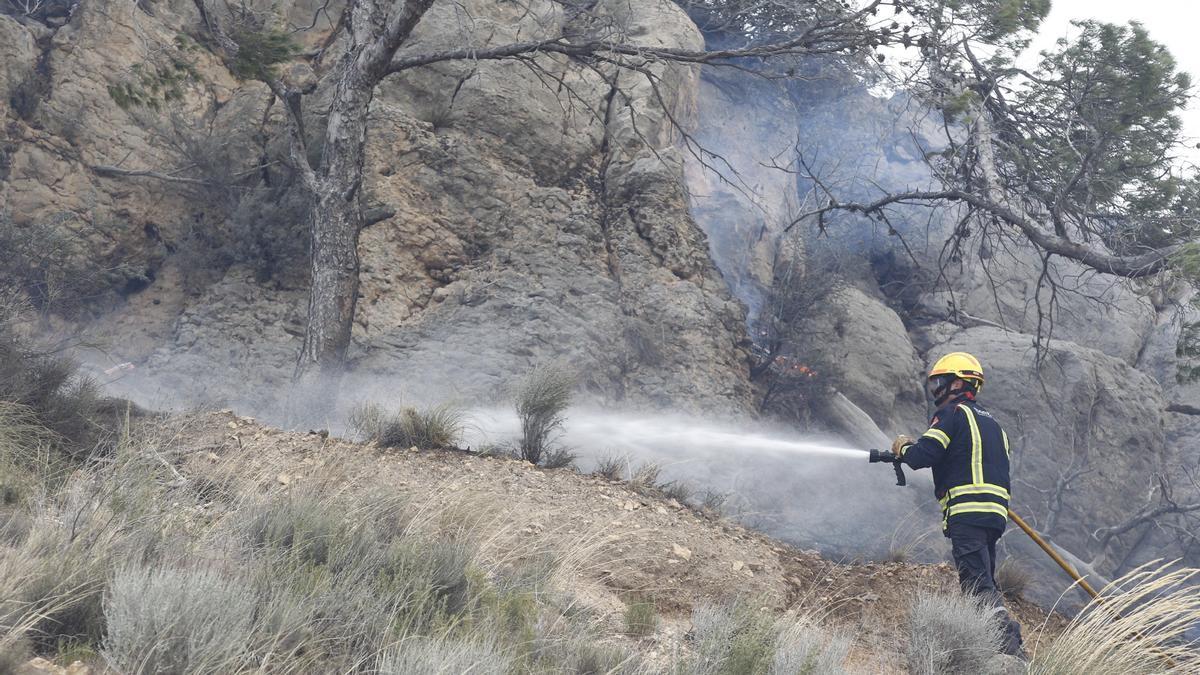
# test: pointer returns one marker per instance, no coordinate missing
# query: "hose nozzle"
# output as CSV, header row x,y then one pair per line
x,y
891,458
882,456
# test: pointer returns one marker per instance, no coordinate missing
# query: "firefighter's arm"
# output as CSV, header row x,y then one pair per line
x,y
932,446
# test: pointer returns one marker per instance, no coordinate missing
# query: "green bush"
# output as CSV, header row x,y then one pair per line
x,y
260,51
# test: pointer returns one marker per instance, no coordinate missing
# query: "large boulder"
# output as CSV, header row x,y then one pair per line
x,y
1000,286
876,365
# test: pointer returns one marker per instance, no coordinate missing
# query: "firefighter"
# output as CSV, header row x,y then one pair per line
x,y
969,453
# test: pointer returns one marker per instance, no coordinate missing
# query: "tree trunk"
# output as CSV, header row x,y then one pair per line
x,y
333,294
337,220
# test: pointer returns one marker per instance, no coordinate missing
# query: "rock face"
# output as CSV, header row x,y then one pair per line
x,y
536,219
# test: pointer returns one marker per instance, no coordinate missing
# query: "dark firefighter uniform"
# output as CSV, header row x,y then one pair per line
x,y
969,454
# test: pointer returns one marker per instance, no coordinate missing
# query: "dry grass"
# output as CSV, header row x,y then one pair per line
x,y
139,561
1140,625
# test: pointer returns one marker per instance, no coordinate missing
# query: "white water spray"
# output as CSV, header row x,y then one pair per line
x,y
595,432
813,492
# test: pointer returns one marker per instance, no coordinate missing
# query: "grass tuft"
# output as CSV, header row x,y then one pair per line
x,y
1141,625
439,427
1012,579
610,468
641,618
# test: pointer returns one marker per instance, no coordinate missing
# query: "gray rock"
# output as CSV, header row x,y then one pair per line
x,y
878,368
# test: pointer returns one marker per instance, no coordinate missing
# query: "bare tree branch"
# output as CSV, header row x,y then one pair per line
x,y
1133,267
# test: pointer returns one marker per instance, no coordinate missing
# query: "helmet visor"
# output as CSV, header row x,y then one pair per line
x,y
937,386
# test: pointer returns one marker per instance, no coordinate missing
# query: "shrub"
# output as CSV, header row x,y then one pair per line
x,y
610,468
950,634
1140,625
677,490
438,427
713,502
541,401
559,458
1012,579
645,477
640,618
46,402
807,648
177,620
732,638
55,270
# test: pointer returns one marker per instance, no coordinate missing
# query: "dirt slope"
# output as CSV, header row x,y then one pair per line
x,y
624,544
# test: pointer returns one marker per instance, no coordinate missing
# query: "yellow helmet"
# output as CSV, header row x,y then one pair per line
x,y
961,365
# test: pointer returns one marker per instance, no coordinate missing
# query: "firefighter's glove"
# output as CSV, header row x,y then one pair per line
x,y
900,445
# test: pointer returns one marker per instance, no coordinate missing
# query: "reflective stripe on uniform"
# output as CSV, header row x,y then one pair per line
x,y
985,489
1005,435
978,507
976,447
939,436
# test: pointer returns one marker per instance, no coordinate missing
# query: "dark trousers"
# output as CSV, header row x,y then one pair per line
x,y
974,550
